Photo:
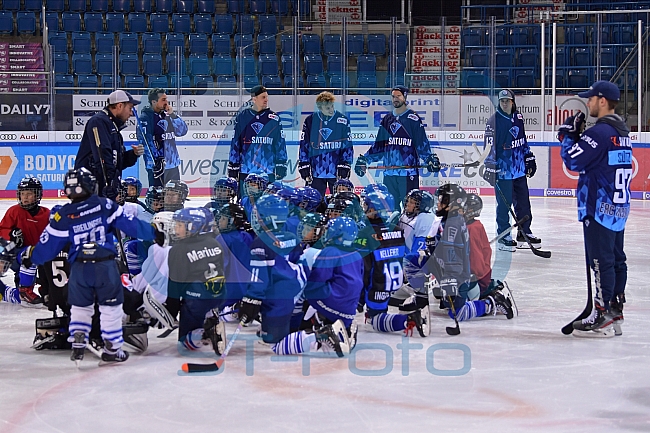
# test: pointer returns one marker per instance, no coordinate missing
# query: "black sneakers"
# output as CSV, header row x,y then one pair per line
x,y
507,244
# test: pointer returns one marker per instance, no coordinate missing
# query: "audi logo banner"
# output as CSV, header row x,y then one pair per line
x,y
8,137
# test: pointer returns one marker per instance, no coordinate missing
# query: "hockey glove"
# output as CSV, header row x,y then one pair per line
x,y
304,168
572,127
158,168
280,171
26,257
343,170
361,166
233,170
249,309
433,163
449,287
430,243
531,165
16,236
490,174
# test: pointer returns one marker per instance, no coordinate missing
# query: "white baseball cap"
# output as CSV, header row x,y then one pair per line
x,y
121,96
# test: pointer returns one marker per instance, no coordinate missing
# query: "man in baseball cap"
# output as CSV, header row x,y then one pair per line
x,y
121,96
602,89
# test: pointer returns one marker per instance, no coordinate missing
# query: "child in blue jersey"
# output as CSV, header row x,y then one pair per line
x,y
254,187
275,280
401,144
325,145
332,292
507,167
258,144
603,157
88,224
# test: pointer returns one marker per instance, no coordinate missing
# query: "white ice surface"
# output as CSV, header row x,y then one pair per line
x,y
525,375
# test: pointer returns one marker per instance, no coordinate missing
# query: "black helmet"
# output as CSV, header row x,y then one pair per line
x,y
79,184
30,184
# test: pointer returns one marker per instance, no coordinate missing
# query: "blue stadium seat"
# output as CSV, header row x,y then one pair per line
x,y
26,22
55,5
268,64
206,7
71,22
582,57
400,63
313,64
475,79
52,21
151,44
222,65
316,81
106,81
355,44
128,43
607,73
202,82
104,63
94,22
332,44
76,5
224,24
6,22
181,23
608,56
561,60
122,5
286,44
280,7
104,42
61,64
578,78
82,64
115,22
270,82
64,80
203,23
245,25
367,64
504,57
81,42
524,78
134,81
502,77
528,57
236,6
138,22
519,35
478,57
99,5
185,6
59,41
185,81
159,23
160,81
248,63
221,44
257,7
303,5
377,44
173,40
199,64
502,36
624,34
251,81
227,81
266,44
399,80
367,82
152,64
472,36
86,81
287,64
311,43
577,35
559,79
605,37
335,65
142,6
198,44
245,41
170,61
402,43
288,82
336,81
268,24
164,6
129,64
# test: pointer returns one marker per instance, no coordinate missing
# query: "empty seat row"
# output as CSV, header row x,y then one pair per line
x,y
25,22
331,44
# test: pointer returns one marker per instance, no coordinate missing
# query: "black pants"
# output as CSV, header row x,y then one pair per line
x,y
170,174
321,184
399,186
515,192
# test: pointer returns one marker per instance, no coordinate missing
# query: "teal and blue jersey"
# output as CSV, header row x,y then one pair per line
x,y
507,137
325,143
161,130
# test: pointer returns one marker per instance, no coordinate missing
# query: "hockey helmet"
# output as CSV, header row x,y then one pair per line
x,y
255,184
309,198
162,222
188,222
230,217
473,206
225,190
382,203
270,213
30,184
174,195
342,185
154,199
450,197
79,184
340,231
311,227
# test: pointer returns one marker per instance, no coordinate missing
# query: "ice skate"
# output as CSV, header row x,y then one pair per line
x,y
599,324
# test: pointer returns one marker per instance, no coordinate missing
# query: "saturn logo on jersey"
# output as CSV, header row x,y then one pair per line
x,y
257,127
262,140
514,131
394,127
325,133
395,141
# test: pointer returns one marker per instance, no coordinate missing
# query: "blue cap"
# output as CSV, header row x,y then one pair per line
x,y
603,89
402,89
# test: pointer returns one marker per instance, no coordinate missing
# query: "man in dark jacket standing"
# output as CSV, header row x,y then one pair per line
x,y
102,147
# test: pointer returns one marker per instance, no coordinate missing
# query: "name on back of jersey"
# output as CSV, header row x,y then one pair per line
x,y
389,253
86,226
195,255
615,211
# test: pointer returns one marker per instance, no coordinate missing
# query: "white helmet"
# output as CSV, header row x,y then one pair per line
x,y
162,222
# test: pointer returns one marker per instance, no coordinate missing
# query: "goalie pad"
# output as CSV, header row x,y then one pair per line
x,y
158,310
135,335
52,333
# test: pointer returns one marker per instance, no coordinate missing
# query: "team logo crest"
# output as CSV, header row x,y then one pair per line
x,y
257,127
394,127
514,131
325,133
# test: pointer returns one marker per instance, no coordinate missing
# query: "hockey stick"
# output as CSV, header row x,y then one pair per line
x,y
407,167
147,146
568,328
202,368
484,154
509,229
536,251
168,331
450,330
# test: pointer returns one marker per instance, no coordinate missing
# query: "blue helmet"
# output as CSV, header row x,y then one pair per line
x,y
340,231
289,194
309,198
154,199
209,225
274,187
135,182
424,202
374,187
225,189
342,185
382,203
255,184
194,220
270,213
79,184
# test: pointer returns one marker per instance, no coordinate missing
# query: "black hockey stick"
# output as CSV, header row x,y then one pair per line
x,y
202,368
450,330
509,229
568,328
536,251
406,167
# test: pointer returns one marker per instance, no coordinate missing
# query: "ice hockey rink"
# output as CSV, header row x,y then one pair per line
x,y
519,375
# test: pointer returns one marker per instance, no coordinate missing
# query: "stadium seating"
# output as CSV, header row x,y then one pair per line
x,y
257,7
355,44
185,6
138,22
222,65
268,24
76,6
158,81
280,7
245,41
203,24
206,7
81,42
82,64
198,43
85,81
245,25
142,6
51,20
104,64
367,65
199,64
164,6
99,5
269,64
64,80
115,22
104,42
181,23
332,44
270,82
55,5
174,40
134,81
59,41
171,61
151,43
221,44
224,24
311,43
61,63
152,64
122,5
266,44
159,22
313,64
129,64
94,22
71,22
6,22
377,44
